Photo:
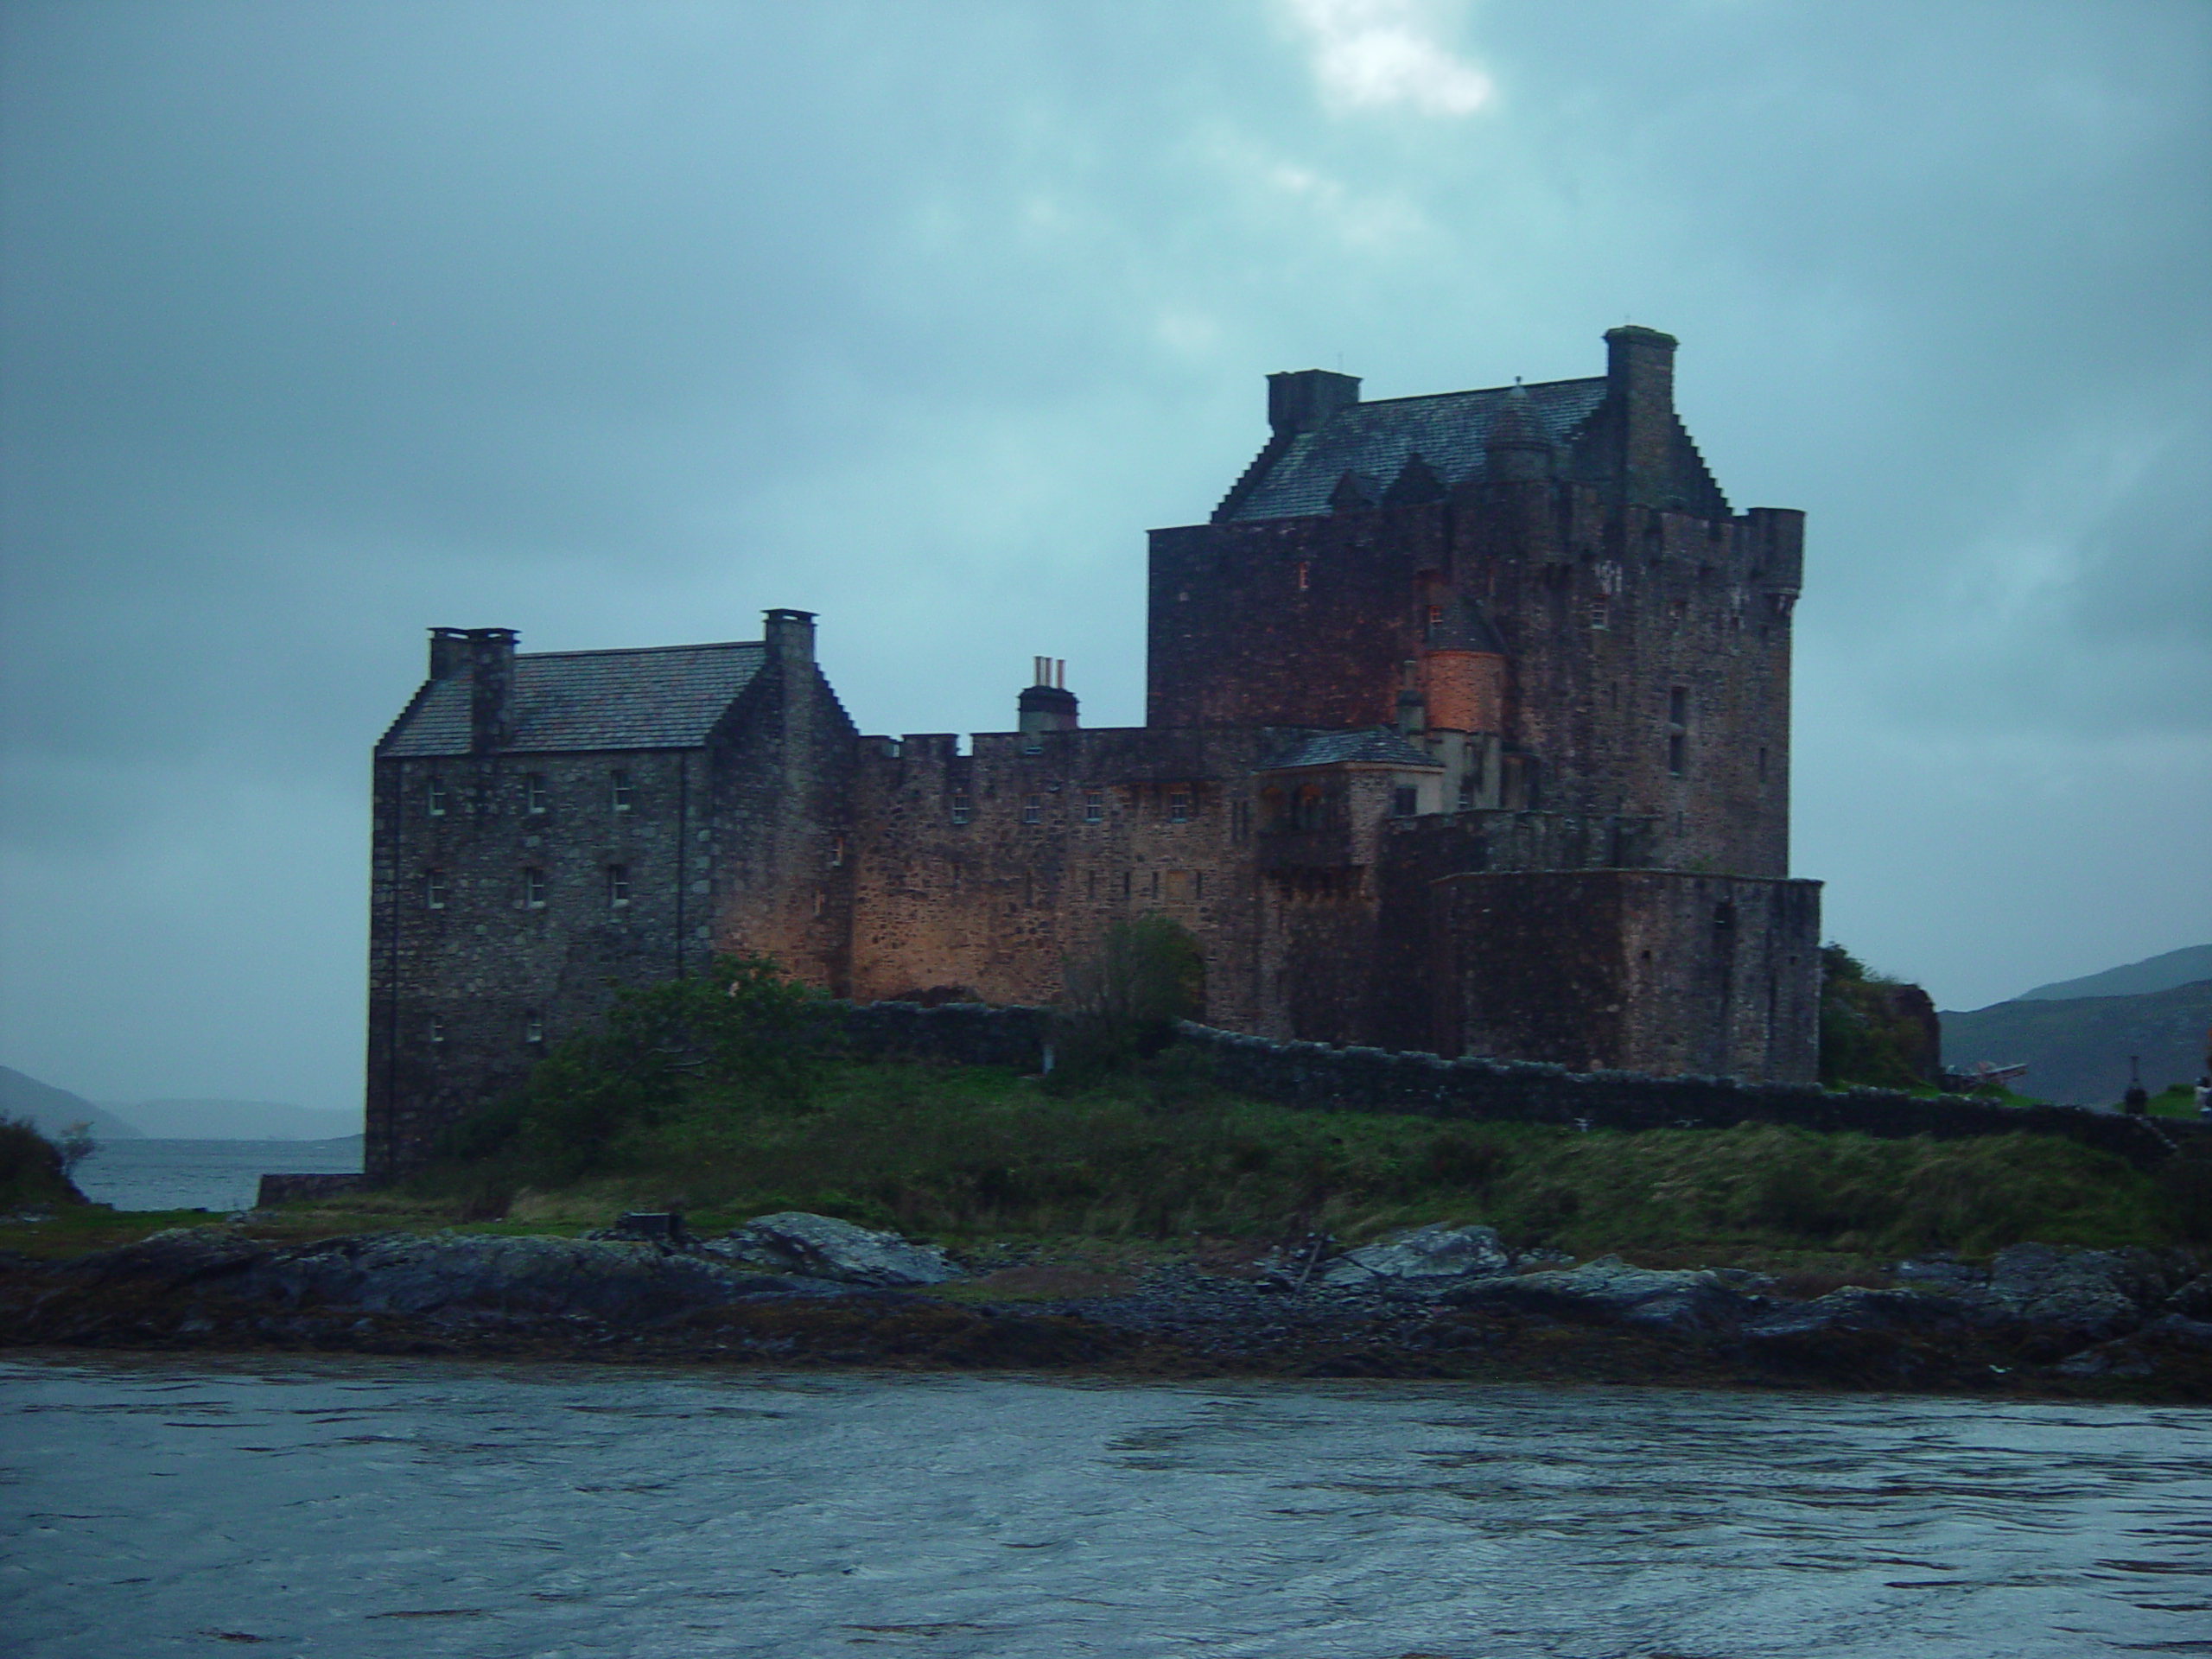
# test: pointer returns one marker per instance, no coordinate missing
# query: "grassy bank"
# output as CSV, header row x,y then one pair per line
x,y
968,1154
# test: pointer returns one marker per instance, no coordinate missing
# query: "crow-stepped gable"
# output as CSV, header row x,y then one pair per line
x,y
1467,730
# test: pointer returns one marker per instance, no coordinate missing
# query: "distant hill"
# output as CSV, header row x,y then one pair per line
x,y
2077,1048
2155,973
53,1109
236,1120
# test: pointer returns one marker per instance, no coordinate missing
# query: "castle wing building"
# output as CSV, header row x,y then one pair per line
x,y
1467,730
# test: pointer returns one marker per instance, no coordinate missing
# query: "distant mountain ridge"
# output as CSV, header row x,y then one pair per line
x,y
2078,1048
51,1110
2152,974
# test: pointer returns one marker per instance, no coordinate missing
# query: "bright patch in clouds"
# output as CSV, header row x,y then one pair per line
x,y
1370,53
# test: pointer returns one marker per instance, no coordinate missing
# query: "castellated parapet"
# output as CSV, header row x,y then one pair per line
x,y
1467,731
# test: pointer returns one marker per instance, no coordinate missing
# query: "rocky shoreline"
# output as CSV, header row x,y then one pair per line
x,y
800,1291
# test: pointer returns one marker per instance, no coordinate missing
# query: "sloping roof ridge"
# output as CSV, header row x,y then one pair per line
x,y
1474,392
639,651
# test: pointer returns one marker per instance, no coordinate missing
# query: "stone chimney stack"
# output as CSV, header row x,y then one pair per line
x,y
491,687
790,635
1640,376
1048,705
448,652
1301,401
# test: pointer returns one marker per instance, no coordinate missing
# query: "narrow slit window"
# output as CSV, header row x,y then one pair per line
x,y
837,852
535,795
1678,706
618,885
434,889
433,797
618,790
533,889
1304,576
1676,754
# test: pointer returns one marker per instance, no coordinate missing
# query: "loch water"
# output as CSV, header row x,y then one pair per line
x,y
218,1175
376,1507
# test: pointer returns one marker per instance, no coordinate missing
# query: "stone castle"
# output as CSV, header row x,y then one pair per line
x,y
1467,730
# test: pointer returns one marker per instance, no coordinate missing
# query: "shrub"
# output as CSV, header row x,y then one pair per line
x,y
32,1169
1120,1006
742,1033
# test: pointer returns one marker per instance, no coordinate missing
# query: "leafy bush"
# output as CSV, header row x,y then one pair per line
x,y
34,1171
1867,1035
1119,1007
742,1034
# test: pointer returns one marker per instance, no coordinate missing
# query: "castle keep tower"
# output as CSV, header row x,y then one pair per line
x,y
1467,729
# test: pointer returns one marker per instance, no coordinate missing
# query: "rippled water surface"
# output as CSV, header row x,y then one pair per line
x,y
204,1174
374,1507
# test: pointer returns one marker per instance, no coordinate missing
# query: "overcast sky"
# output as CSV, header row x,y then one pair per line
x,y
616,323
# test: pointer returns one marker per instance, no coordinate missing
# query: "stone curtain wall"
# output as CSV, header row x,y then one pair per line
x,y
1479,1091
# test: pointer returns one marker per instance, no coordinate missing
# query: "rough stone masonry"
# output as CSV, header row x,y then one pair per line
x,y
1467,731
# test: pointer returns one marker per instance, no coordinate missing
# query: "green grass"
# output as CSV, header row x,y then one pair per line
x,y
965,1154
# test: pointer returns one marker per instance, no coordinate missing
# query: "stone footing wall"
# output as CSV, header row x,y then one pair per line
x,y
1471,1090
283,1189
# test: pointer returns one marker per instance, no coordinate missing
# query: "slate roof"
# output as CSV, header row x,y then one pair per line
x,y
1377,746
665,697
1373,440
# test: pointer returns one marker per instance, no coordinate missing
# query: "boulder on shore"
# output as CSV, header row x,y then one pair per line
x,y
825,1247
1427,1256
1677,1298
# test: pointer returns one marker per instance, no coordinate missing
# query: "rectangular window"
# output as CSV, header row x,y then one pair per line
x,y
1678,706
1033,809
1094,805
1179,806
618,884
1129,884
1467,795
837,852
960,806
533,1026
1675,746
535,795
1303,576
1762,765
1405,801
438,1031
434,889
434,795
1240,820
533,888
1600,617
618,790
1436,616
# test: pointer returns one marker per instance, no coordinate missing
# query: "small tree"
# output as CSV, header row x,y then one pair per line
x,y
1865,1035
74,1144
1120,1005
743,1033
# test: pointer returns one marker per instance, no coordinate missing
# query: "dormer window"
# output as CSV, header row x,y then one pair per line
x,y
618,790
434,795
